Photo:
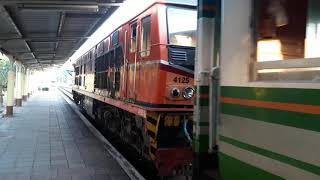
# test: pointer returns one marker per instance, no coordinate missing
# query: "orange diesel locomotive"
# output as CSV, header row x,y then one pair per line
x,y
138,83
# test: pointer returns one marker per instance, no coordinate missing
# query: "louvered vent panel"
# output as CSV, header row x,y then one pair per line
x,y
177,55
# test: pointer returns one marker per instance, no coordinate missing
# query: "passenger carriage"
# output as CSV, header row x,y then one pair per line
x,y
268,56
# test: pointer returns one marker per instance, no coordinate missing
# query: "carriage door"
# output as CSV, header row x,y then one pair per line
x,y
132,61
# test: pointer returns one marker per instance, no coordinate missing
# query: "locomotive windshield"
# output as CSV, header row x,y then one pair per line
x,y
182,26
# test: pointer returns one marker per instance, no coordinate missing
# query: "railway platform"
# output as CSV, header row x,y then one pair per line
x,y
46,139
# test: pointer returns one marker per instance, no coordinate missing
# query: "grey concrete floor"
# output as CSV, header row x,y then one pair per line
x,y
46,140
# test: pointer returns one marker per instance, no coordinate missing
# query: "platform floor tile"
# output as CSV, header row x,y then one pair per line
x,y
46,140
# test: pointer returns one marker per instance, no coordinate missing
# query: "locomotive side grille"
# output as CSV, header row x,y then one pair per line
x,y
182,56
178,55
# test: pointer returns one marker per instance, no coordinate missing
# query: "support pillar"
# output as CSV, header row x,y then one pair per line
x,y
10,89
19,86
15,85
204,129
32,82
1,96
28,83
25,85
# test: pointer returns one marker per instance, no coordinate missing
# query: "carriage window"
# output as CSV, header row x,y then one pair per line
x,y
287,39
133,38
106,45
99,49
81,69
288,29
88,66
115,38
146,36
77,70
87,56
93,53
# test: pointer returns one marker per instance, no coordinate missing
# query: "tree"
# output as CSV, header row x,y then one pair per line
x,y
4,67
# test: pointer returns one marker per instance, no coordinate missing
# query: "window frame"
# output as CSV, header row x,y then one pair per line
x,y
168,28
145,52
106,43
115,36
304,64
135,25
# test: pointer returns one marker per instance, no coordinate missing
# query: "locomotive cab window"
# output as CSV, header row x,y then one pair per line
x,y
182,30
146,36
287,37
133,38
182,26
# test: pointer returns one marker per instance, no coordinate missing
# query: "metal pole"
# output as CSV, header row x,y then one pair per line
x,y
10,88
204,128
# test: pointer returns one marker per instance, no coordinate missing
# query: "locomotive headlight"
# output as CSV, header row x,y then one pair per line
x,y
175,92
188,93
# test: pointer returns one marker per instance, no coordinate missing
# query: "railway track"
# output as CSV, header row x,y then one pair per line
x,y
130,170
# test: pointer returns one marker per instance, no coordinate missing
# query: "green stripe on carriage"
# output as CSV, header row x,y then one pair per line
x,y
204,102
203,89
287,118
200,143
279,157
232,169
284,95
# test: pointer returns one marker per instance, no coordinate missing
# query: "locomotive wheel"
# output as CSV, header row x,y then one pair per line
x,y
107,117
124,129
140,144
122,126
111,121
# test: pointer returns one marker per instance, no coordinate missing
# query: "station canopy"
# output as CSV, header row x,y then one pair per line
x,y
41,33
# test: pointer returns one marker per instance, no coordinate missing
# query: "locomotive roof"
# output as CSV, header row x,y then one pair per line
x,y
175,2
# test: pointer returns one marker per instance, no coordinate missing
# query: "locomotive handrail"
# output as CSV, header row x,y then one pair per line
x,y
159,44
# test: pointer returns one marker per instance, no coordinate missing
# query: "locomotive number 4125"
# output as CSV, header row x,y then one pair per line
x,y
183,80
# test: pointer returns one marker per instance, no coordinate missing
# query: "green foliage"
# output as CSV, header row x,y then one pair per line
x,y
4,67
